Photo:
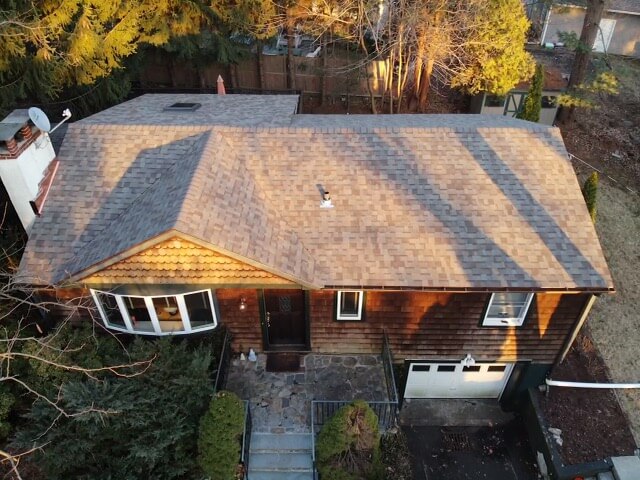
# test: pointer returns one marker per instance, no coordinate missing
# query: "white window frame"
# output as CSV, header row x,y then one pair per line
x,y
349,316
187,328
488,321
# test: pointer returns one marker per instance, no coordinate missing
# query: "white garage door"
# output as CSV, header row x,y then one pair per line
x,y
452,380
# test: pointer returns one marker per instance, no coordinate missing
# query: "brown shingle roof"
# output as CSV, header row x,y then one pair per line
x,y
421,201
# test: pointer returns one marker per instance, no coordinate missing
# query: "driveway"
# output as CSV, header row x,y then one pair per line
x,y
471,453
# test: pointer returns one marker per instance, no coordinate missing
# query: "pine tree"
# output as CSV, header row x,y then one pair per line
x,y
533,103
590,193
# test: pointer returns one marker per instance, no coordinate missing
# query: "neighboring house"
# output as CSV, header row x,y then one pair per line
x,y
619,28
510,104
456,234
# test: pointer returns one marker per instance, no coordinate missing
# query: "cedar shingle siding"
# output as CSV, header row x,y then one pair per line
x,y
444,326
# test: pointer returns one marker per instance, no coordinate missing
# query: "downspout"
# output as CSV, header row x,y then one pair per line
x,y
562,383
583,317
546,25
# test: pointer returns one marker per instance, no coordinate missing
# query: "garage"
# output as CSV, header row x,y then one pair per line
x,y
454,380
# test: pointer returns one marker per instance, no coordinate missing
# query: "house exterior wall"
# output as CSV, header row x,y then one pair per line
x,y
626,34
426,325
420,325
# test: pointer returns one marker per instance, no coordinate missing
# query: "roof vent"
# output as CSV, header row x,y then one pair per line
x,y
326,200
183,107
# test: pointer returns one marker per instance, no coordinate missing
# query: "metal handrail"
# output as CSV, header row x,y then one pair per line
x,y
246,439
313,442
387,361
223,363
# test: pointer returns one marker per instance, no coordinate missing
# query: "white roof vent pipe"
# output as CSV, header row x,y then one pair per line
x,y
326,200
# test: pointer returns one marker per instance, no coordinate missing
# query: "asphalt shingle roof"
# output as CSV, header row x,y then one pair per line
x,y
421,201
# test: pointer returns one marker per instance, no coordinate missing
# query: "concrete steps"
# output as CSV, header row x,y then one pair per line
x,y
284,456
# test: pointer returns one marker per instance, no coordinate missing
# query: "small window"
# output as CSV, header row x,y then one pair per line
x,y
507,309
474,368
494,101
497,368
349,305
549,101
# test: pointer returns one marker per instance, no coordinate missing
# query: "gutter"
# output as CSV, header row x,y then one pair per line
x,y
561,383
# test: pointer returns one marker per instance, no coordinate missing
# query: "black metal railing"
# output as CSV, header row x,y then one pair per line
x,y
323,410
246,440
387,363
223,364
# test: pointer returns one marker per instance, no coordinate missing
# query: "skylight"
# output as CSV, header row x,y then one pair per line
x,y
183,107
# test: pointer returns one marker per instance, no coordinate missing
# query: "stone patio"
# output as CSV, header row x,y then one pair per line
x,y
281,402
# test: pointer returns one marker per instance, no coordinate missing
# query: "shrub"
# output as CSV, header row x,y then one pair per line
x,y
395,456
590,193
348,446
6,402
533,103
140,427
219,442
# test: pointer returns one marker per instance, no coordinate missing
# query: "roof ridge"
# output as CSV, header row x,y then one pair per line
x,y
231,170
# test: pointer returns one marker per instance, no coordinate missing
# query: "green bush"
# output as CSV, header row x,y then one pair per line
x,y
590,193
219,442
133,428
6,403
348,446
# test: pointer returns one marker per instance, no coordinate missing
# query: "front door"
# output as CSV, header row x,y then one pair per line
x,y
284,320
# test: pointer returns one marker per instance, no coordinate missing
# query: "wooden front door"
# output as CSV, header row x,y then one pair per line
x,y
284,320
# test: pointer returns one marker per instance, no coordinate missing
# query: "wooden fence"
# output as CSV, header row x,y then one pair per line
x,y
342,76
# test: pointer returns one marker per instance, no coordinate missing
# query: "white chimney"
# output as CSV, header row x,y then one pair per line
x,y
27,165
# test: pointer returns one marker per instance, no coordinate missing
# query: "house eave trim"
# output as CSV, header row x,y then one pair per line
x,y
472,289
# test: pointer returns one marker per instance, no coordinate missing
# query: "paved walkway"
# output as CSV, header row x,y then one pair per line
x,y
281,402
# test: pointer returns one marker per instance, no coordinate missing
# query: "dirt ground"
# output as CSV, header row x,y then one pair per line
x,y
615,319
609,139
593,424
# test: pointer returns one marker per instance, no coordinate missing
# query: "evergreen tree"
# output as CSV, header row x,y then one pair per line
x,y
133,428
495,58
590,193
533,103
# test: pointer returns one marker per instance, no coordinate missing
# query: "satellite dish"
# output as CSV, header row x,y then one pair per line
x,y
40,119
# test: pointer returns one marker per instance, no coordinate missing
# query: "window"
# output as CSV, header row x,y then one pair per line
x,y
507,309
349,305
182,107
157,315
494,101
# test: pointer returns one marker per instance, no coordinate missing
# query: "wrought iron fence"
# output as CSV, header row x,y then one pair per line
x,y
246,440
223,364
323,410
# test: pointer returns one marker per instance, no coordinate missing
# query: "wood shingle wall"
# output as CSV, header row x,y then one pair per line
x,y
444,326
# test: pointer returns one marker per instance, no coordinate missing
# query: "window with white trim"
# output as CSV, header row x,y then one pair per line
x,y
507,309
158,314
349,304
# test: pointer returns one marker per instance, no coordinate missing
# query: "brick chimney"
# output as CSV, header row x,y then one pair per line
x,y
27,165
220,83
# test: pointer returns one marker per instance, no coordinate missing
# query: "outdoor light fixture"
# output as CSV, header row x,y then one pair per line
x,y
243,303
468,361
